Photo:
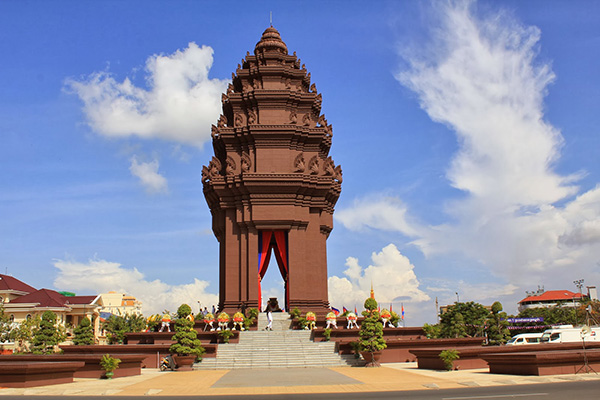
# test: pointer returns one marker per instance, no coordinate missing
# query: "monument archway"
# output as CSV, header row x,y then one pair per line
x,y
271,184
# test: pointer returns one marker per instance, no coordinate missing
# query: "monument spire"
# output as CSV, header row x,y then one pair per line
x,y
271,185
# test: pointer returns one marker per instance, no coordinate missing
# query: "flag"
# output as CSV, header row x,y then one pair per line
x,y
335,311
355,312
391,308
345,310
402,311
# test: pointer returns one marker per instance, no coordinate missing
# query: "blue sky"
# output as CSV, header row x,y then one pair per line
x,y
467,133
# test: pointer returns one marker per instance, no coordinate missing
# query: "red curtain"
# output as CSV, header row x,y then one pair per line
x,y
279,246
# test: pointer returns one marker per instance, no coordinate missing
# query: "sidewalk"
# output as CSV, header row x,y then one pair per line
x,y
390,377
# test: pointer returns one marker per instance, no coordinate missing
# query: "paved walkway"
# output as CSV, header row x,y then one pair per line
x,y
390,377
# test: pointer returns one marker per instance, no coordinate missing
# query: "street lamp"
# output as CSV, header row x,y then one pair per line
x,y
579,284
457,298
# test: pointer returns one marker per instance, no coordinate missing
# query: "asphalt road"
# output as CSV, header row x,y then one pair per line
x,y
584,390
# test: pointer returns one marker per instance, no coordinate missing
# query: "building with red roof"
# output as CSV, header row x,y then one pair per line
x,y
22,301
551,298
11,288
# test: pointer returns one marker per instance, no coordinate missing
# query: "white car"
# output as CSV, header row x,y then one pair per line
x,y
525,338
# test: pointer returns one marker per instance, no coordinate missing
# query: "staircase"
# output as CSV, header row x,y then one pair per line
x,y
279,348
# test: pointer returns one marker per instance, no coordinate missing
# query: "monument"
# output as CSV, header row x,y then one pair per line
x,y
271,185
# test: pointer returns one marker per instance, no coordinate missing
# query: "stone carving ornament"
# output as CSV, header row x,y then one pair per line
x,y
251,117
213,170
299,164
246,163
313,166
293,117
239,121
230,168
329,167
306,119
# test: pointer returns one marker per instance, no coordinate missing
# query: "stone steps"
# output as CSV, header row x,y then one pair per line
x,y
280,348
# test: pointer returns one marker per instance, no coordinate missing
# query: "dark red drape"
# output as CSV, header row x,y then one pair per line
x,y
276,241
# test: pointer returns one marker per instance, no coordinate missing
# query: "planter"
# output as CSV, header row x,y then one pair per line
x,y
184,363
371,359
109,375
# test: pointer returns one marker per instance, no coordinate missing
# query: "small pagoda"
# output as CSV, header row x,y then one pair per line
x,y
271,185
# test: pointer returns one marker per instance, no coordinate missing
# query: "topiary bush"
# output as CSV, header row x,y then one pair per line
x,y
371,331
84,333
47,335
186,337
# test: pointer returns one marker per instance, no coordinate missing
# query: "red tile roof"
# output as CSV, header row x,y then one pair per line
x,y
51,298
80,299
7,282
552,295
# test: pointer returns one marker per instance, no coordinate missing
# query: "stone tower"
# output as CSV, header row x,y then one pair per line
x,y
271,185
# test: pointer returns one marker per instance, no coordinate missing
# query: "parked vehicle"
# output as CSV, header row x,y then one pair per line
x,y
525,338
569,334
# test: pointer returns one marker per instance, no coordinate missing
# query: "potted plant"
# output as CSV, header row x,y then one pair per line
x,y
224,335
252,315
187,346
448,357
109,364
371,341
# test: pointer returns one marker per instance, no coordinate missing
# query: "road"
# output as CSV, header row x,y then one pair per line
x,y
543,391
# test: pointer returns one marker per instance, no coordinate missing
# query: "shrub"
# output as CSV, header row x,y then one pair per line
x,y
370,304
225,335
108,363
371,331
186,337
327,334
448,356
84,333
295,313
47,335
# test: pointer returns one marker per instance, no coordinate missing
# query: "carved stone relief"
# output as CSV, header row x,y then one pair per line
x,y
239,121
306,119
299,163
230,168
246,163
313,166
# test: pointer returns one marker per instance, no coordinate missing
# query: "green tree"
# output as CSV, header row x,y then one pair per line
x,y
371,331
561,314
136,323
432,331
22,334
497,325
463,320
186,337
47,335
115,328
5,325
84,333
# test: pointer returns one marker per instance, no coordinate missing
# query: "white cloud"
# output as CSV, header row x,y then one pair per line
x,y
391,273
519,219
386,213
179,103
147,172
100,276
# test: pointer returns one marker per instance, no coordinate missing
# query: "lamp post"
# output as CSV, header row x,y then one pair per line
x,y
579,284
457,298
